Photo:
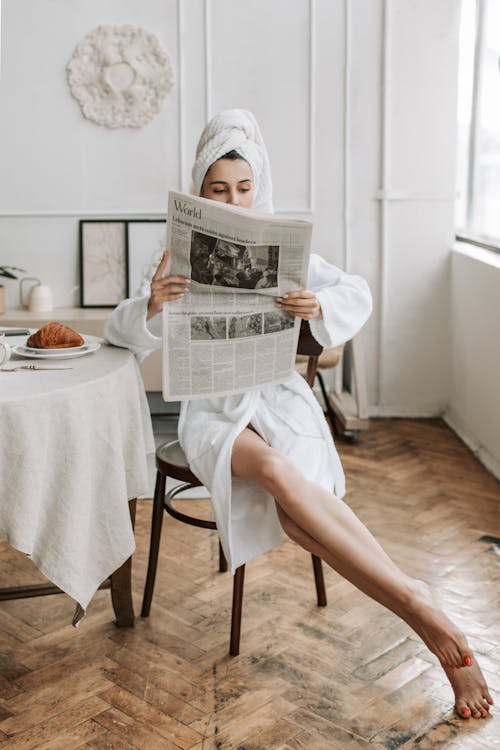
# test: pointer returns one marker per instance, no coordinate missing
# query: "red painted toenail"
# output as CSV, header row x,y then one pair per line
x,y
467,661
464,711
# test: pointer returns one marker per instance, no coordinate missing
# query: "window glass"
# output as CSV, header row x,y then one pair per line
x,y
478,160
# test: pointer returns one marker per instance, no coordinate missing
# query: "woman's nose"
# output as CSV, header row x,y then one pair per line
x,y
234,197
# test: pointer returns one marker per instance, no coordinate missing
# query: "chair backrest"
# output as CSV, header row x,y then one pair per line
x,y
308,346
307,343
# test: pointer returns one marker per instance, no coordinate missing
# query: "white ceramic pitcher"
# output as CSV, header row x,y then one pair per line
x,y
40,296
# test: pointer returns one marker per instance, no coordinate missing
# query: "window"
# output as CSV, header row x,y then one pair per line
x,y
478,160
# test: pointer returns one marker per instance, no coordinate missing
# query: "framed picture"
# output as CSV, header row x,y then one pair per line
x,y
103,262
146,243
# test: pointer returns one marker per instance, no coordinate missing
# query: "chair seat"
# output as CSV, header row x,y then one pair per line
x,y
328,358
172,453
171,461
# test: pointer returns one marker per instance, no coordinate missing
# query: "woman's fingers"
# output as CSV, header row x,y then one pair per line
x,y
165,288
302,303
168,291
161,266
168,281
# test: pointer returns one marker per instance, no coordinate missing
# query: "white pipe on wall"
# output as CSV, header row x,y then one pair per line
x,y
312,103
473,160
208,60
180,89
384,179
347,135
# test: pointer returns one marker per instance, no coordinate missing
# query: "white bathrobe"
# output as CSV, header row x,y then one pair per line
x,y
287,416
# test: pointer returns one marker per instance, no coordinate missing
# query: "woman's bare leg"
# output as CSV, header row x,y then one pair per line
x,y
326,526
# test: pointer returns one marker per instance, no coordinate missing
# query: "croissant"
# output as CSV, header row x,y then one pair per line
x,y
54,336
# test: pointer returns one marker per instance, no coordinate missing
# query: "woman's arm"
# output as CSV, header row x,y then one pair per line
x,y
336,304
126,326
345,299
137,323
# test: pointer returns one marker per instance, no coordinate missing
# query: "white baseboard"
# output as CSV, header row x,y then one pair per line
x,y
396,411
482,454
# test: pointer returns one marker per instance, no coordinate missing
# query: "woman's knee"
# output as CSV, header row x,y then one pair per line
x,y
277,474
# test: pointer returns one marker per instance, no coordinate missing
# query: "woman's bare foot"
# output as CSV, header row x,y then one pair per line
x,y
437,631
471,693
450,646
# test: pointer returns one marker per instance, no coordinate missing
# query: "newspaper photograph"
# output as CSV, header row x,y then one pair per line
x,y
226,335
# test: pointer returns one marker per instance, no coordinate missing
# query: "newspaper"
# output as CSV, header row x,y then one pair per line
x,y
227,335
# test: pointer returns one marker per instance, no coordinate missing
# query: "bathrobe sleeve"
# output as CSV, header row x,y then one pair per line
x,y
345,300
127,325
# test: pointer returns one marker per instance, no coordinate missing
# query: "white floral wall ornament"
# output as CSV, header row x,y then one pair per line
x,y
120,76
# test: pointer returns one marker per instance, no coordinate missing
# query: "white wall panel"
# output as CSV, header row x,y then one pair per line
x,y
363,163
417,325
329,99
47,248
474,406
260,60
422,91
192,80
56,159
416,230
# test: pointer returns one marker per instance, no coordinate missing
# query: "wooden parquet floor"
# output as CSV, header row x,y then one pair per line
x,y
346,676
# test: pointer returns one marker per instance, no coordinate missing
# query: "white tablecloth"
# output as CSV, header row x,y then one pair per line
x,y
73,448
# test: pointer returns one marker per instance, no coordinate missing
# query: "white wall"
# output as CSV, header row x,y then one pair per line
x,y
417,204
474,406
56,166
356,101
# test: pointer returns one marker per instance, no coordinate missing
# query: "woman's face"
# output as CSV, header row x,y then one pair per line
x,y
229,181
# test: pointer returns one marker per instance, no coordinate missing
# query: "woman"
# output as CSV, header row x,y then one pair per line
x,y
247,449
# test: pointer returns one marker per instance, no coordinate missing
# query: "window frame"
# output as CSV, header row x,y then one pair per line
x,y
471,194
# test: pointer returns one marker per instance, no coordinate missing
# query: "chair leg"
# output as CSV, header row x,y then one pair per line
x,y
154,545
329,410
222,560
319,580
239,579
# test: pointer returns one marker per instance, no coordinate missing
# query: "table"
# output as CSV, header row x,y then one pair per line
x,y
87,321
73,447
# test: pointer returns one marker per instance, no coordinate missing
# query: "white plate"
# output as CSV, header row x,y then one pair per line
x,y
59,349
24,351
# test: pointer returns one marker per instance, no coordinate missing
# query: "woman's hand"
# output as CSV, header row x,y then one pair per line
x,y
164,288
302,303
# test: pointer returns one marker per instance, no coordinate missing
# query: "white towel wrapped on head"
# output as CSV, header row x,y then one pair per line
x,y
235,129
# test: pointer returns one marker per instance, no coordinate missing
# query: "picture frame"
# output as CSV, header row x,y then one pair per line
x,y
103,245
146,241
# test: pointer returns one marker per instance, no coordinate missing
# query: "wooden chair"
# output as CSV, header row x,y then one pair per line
x,y
171,462
346,403
326,360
